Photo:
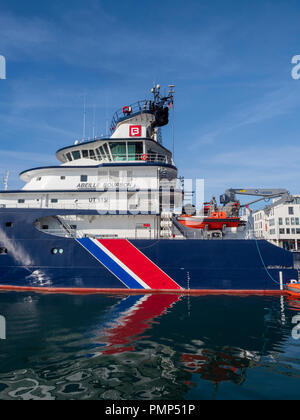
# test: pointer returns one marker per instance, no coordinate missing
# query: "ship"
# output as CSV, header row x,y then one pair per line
x,y
111,217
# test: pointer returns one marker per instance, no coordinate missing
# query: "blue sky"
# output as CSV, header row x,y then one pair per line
x,y
237,106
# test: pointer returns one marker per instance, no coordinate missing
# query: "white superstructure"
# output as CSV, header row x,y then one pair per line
x,y
127,182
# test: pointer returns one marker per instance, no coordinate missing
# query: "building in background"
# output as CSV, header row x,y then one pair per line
x,y
281,225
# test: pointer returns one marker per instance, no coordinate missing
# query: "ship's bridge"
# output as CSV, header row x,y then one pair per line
x,y
116,150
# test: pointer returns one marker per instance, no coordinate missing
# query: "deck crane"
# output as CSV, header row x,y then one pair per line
x,y
229,199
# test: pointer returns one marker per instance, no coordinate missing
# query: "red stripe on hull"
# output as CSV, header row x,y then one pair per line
x,y
82,291
137,262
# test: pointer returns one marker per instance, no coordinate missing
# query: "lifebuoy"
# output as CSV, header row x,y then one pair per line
x,y
145,157
126,110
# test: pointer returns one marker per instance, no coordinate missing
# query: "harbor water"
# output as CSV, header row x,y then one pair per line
x,y
148,347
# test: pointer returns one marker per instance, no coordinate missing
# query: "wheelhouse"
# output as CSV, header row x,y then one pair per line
x,y
116,150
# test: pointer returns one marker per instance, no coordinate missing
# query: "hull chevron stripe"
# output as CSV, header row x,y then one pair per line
x,y
128,264
112,265
139,264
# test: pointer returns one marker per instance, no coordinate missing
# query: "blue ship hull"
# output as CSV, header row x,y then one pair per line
x,y
180,265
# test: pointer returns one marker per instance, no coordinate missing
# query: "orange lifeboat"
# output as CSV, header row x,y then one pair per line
x,y
215,221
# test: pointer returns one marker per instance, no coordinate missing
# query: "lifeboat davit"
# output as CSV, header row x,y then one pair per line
x,y
215,221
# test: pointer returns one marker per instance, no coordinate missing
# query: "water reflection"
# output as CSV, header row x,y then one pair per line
x,y
148,347
132,317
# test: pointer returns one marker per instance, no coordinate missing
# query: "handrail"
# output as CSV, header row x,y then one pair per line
x,y
137,107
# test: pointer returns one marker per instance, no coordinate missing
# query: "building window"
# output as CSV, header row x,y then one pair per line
x,y
288,231
272,222
293,231
83,178
282,231
297,221
292,220
272,231
21,201
298,231
291,210
287,221
280,221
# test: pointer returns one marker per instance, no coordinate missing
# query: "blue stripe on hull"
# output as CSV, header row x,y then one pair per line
x,y
110,264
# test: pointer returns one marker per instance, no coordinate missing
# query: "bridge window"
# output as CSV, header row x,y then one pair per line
x,y
102,152
118,151
21,201
83,178
69,157
8,224
135,150
54,200
76,155
105,146
92,155
3,251
98,154
85,153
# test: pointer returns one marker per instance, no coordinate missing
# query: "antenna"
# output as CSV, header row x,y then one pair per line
x,y
84,118
94,122
5,180
171,94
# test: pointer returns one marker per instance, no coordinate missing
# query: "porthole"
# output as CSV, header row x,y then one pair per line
x,y
3,251
57,251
